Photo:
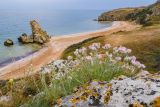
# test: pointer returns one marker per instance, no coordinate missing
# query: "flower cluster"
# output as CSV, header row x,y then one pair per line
x,y
119,55
122,50
106,46
59,67
95,46
116,55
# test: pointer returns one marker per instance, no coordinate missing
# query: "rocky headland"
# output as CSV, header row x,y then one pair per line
x,y
142,15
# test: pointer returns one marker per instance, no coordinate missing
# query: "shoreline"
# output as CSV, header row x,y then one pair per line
x,y
53,50
10,60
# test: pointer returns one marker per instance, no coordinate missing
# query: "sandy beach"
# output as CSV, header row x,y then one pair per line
x,y
53,51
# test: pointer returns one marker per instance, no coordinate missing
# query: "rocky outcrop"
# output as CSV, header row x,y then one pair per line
x,y
8,42
138,91
38,35
25,38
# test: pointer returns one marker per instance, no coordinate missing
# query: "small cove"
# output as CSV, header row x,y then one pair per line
x,y
61,22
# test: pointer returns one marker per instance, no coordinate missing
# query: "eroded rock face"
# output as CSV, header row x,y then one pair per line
x,y
139,91
38,35
8,42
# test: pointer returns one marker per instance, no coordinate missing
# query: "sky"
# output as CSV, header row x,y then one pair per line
x,y
71,4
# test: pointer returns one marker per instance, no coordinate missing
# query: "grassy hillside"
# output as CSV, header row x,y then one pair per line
x,y
69,51
142,15
144,42
118,14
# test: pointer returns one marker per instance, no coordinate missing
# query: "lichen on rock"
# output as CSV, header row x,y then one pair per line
x,y
138,91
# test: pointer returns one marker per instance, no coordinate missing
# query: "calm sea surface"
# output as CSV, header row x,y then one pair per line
x,y
59,22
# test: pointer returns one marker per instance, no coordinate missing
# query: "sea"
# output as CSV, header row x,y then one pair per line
x,y
56,23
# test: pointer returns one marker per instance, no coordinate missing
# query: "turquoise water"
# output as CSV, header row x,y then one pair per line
x,y
56,23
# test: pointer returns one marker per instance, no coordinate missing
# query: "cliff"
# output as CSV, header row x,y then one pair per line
x,y
118,14
141,15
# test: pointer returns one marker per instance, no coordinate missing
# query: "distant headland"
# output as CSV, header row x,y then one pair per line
x,y
143,15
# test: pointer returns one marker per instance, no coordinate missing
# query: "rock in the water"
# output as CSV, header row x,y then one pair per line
x,y
38,35
25,39
8,42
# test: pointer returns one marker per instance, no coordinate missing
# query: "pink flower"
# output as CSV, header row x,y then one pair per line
x,y
138,64
106,46
122,49
129,50
133,58
99,56
95,46
118,58
143,66
89,58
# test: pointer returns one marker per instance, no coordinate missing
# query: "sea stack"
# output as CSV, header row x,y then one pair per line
x,y
38,35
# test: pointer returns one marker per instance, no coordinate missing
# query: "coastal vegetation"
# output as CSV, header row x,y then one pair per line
x,y
59,78
143,15
144,42
69,51
120,69
97,60
89,62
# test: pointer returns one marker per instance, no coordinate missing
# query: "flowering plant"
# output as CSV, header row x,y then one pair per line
x,y
95,52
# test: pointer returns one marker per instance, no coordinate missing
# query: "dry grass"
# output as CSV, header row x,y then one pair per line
x,y
144,42
72,48
123,11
